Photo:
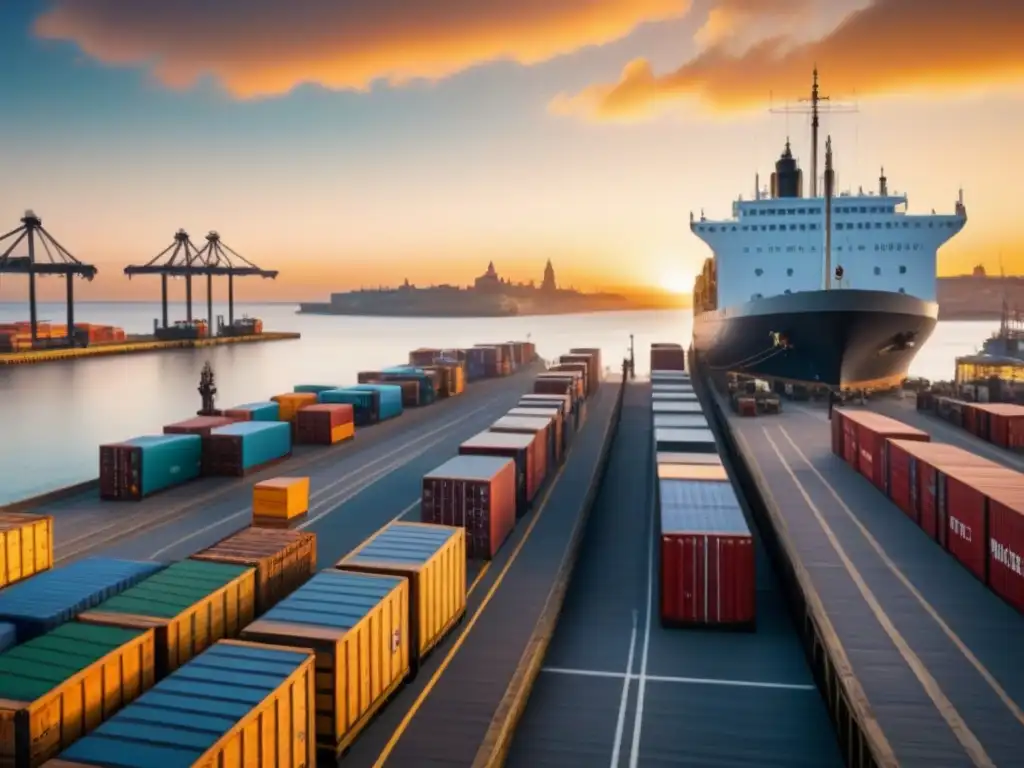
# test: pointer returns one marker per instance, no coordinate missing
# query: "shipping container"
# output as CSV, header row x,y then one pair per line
x,y
284,560
674,470
864,436
316,389
477,493
667,357
481,363
669,377
358,624
142,466
265,411
512,446
559,386
546,454
553,413
563,400
662,406
1001,424
280,498
911,465
291,403
1006,546
426,381
390,399
424,356
201,425
26,546
581,364
673,457
238,704
54,597
597,367
574,378
190,605
238,449
60,686
433,559
364,403
707,555
325,424
683,440
592,365
680,420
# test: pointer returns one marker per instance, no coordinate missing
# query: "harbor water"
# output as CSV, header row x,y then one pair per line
x,y
54,415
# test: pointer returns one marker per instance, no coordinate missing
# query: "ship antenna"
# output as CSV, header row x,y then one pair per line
x,y
829,180
813,107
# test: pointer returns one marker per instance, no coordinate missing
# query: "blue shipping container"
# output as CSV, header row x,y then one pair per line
x,y
167,460
427,392
8,636
364,408
266,411
315,389
175,723
50,598
262,441
390,399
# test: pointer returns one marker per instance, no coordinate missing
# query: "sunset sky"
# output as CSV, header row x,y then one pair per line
x,y
360,142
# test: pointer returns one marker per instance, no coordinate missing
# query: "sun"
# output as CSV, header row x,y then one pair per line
x,y
675,282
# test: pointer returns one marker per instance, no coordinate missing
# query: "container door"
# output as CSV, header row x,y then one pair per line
x,y
915,508
885,467
941,513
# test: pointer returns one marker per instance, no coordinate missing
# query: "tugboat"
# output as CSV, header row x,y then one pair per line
x,y
836,291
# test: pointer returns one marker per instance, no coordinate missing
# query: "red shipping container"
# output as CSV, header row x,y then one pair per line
x,y
707,554
1006,547
837,433
241,414
568,365
477,493
543,429
908,461
548,386
554,413
962,516
575,379
513,446
315,424
872,430
201,425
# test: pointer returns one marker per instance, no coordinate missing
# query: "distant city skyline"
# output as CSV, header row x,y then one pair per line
x,y
350,143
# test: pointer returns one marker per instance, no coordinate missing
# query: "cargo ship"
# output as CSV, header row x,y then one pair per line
x,y
831,290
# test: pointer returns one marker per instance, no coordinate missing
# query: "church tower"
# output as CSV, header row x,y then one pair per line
x,y
549,278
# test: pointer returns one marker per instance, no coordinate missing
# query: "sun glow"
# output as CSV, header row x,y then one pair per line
x,y
675,282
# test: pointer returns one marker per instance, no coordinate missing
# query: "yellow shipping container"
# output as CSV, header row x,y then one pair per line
x,y
284,560
190,605
281,498
26,546
172,728
458,379
60,686
290,403
343,432
358,625
433,558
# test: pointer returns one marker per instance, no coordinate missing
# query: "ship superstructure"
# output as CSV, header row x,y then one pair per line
x,y
862,259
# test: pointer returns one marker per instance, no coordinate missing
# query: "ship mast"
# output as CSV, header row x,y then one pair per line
x,y
829,183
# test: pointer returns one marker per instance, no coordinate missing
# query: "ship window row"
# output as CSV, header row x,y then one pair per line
x,y
813,226
817,210
787,292
789,271
879,247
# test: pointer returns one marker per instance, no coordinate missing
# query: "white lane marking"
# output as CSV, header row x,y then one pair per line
x,y
679,680
620,723
638,715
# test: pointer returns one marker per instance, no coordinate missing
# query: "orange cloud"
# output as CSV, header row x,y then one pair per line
x,y
267,47
891,46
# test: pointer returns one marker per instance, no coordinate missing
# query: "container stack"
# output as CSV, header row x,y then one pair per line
x,y
325,424
266,411
433,560
290,403
364,403
279,501
476,493
26,546
706,549
388,399
244,447
544,428
668,357
343,616
521,448
200,425
858,437
143,466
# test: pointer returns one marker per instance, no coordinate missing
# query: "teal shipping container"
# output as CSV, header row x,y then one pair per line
x,y
363,402
237,448
314,389
265,411
390,402
428,394
142,466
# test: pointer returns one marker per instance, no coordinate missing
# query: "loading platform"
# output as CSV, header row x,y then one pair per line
x,y
35,356
918,658
618,689
176,523
462,708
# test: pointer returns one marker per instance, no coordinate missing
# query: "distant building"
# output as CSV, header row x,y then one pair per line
x,y
549,286
489,280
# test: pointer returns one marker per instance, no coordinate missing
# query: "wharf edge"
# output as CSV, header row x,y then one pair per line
x,y
861,740
37,356
498,740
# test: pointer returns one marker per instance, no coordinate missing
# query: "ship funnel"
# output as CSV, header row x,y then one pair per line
x,y
787,181
883,184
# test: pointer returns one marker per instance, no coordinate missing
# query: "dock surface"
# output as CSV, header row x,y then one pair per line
x,y
934,651
460,709
36,356
618,689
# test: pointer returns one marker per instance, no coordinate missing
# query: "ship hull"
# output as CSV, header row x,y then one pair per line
x,y
839,338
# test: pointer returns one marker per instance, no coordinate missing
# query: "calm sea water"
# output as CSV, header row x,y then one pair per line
x,y
54,416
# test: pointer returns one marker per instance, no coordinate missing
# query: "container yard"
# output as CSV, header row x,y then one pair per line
x,y
894,539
